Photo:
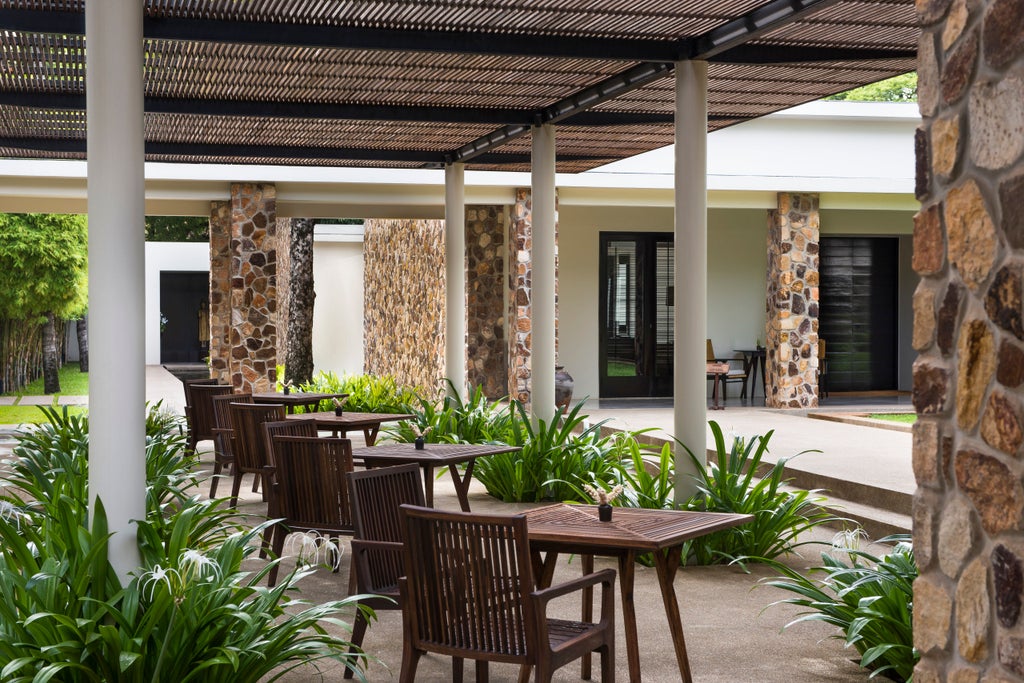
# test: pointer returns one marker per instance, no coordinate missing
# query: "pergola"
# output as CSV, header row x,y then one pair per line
x,y
451,84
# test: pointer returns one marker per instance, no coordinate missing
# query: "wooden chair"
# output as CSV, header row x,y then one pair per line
x,y
223,435
376,496
286,428
199,409
250,446
735,374
468,593
306,489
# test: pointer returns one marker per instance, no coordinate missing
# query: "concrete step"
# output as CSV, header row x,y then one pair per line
x,y
878,523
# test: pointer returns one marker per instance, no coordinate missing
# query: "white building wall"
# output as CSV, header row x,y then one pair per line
x,y
167,256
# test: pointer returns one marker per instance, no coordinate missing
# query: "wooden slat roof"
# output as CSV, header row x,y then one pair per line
x,y
421,82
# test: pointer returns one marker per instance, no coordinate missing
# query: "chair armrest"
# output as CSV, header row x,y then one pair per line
x,y
546,595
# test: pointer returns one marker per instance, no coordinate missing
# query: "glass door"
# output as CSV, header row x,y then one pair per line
x,y
636,314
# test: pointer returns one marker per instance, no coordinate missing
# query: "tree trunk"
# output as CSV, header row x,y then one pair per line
x,y
298,366
82,327
51,363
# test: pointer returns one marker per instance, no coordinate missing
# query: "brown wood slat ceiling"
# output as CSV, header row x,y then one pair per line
x,y
417,99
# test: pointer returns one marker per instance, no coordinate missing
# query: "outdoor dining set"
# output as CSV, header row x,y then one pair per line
x,y
470,585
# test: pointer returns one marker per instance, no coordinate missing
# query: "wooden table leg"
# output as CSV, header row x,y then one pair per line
x,y
462,483
428,485
370,434
667,566
626,575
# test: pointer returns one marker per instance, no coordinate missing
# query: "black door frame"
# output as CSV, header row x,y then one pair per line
x,y
654,378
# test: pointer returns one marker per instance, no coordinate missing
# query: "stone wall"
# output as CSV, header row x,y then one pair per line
x,y
791,365
253,333
220,291
486,256
284,270
404,320
969,250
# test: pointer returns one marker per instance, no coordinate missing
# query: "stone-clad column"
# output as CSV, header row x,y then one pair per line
x,y
487,348
969,377
220,291
253,333
791,359
520,248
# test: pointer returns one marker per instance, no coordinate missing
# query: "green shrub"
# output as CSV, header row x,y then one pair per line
x,y
366,393
475,420
870,600
554,462
729,483
190,613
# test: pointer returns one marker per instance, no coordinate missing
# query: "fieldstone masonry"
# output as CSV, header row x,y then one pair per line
x,y
253,332
791,367
968,330
520,263
220,291
403,282
486,256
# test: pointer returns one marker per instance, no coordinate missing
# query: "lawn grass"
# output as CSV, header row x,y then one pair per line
x,y
905,418
14,415
73,382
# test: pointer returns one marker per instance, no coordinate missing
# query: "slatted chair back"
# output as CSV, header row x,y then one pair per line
x,y
469,579
249,448
286,428
468,593
307,489
223,435
199,410
376,495
309,483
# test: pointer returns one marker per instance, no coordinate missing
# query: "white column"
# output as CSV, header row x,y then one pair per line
x,y
116,198
542,294
455,280
691,270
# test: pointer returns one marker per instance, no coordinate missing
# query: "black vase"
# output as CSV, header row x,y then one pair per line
x,y
419,443
287,390
604,512
339,411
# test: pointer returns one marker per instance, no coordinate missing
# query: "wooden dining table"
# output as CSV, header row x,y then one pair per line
x,y
309,400
433,455
341,425
559,528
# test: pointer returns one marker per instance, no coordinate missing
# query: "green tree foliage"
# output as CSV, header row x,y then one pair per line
x,y
177,228
43,265
896,89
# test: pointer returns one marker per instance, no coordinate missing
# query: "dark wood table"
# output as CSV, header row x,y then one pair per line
x,y
340,425
309,400
433,455
555,529
752,358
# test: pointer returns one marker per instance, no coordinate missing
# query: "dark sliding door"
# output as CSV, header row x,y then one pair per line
x,y
184,297
859,280
636,313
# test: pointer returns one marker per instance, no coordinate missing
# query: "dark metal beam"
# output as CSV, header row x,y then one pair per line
x,y
353,112
730,35
357,38
608,89
750,26
415,40
788,54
